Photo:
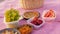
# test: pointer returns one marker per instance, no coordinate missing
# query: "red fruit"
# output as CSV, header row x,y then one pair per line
x,y
35,19
33,22
50,13
39,21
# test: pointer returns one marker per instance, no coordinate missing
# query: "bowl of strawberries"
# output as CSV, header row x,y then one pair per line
x,y
36,22
49,15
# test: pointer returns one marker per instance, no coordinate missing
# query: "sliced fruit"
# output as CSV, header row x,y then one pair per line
x,y
46,15
39,21
36,21
50,13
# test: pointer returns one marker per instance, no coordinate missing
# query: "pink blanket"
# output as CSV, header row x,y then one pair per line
x,y
47,28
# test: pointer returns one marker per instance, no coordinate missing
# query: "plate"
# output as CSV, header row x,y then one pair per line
x,y
9,29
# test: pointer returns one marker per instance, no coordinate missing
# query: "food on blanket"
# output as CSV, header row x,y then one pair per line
x,y
50,13
31,14
31,4
3,32
11,25
25,29
11,15
9,32
36,21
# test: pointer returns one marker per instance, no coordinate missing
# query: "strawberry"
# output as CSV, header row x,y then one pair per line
x,y
39,21
33,22
35,19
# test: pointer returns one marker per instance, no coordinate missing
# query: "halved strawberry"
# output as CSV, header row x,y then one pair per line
x,y
39,21
35,19
33,22
50,13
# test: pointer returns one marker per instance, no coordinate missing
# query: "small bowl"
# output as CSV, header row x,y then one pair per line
x,y
31,11
48,18
35,26
28,29
15,23
9,29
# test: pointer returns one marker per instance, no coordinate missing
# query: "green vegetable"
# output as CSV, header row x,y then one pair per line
x,y
12,15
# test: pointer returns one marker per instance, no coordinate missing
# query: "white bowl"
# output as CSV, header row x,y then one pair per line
x,y
13,22
35,26
48,18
